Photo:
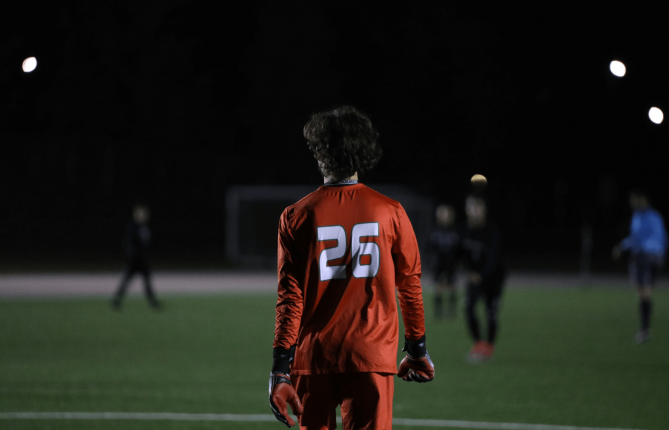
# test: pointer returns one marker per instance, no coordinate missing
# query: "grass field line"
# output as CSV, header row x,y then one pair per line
x,y
170,416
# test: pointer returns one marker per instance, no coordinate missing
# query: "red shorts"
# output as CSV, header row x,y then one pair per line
x,y
366,400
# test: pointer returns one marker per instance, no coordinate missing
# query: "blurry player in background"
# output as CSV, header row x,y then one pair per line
x,y
344,251
136,244
483,261
647,245
445,250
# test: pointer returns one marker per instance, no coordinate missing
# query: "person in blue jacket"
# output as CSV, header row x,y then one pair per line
x,y
647,245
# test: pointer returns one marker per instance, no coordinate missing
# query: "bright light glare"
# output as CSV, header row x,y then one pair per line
x,y
655,115
617,68
29,64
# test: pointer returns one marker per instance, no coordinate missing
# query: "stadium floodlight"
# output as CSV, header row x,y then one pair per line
x,y
29,64
655,115
617,68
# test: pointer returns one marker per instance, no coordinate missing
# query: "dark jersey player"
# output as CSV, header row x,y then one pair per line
x,y
484,263
136,245
647,246
445,250
345,252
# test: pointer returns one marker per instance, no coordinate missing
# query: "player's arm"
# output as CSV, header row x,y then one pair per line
x,y
288,315
657,231
417,365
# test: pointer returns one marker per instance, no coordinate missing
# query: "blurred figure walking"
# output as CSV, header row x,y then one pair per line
x,y
445,253
483,260
647,245
136,243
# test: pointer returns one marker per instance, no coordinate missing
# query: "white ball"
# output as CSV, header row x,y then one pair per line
x,y
29,64
479,180
617,68
655,115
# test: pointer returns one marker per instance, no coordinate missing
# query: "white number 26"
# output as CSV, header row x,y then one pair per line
x,y
358,249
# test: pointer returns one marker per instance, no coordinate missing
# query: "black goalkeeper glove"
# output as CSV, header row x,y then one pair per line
x,y
417,365
281,391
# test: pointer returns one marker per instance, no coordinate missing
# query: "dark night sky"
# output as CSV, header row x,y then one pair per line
x,y
173,102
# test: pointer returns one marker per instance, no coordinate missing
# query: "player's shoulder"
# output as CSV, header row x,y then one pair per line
x,y
371,193
646,215
393,210
656,216
654,212
299,207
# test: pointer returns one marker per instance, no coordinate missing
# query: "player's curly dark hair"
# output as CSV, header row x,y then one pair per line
x,y
343,141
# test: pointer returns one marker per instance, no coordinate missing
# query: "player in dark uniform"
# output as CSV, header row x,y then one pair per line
x,y
647,246
445,250
483,260
136,243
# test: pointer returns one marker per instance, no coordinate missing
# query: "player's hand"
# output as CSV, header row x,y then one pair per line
x,y
416,369
616,253
282,393
474,278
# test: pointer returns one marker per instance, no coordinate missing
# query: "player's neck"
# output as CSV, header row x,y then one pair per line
x,y
327,179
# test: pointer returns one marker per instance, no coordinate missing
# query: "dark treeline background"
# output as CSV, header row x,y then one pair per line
x,y
172,102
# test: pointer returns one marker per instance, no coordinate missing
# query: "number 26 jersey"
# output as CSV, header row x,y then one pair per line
x,y
343,253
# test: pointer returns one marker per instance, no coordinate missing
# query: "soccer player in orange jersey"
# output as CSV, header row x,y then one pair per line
x,y
343,252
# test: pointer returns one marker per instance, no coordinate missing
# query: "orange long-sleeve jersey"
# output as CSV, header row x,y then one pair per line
x,y
343,252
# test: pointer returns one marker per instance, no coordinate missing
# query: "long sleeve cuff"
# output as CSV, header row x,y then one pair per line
x,y
282,359
415,348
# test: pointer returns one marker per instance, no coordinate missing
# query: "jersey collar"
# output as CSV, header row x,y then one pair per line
x,y
341,183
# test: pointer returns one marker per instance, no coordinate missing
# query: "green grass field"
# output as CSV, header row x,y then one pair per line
x,y
564,357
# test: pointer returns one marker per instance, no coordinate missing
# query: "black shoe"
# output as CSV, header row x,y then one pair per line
x,y
116,304
156,305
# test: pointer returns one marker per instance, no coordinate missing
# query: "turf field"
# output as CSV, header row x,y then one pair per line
x,y
565,357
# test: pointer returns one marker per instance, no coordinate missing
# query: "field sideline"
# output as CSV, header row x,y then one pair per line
x,y
41,285
565,358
